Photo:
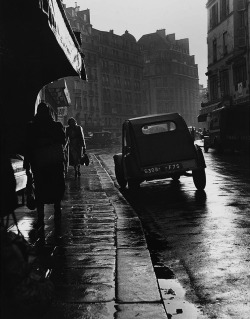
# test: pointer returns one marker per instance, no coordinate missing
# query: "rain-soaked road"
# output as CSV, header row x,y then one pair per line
x,y
202,239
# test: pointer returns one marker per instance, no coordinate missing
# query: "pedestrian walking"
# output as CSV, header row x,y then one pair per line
x,y
76,144
193,133
45,158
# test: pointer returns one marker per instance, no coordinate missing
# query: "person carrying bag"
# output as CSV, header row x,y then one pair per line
x,y
76,142
45,158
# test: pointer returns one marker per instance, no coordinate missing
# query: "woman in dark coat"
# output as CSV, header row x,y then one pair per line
x,y
46,137
75,139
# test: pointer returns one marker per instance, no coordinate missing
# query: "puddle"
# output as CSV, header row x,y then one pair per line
x,y
173,295
163,272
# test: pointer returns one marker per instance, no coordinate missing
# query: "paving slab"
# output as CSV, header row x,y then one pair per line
x,y
142,311
136,279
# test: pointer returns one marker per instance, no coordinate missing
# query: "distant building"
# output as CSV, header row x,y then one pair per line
x,y
127,78
203,93
114,68
170,76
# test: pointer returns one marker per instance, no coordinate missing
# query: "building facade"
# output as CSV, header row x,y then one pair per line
x,y
171,82
114,69
228,56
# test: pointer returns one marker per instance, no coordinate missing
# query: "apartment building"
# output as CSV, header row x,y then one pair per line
x,y
228,56
114,69
227,112
170,77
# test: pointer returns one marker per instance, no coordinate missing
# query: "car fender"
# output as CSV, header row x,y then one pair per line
x,y
131,168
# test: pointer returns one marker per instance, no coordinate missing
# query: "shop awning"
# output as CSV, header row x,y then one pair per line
x,y
59,25
37,46
38,40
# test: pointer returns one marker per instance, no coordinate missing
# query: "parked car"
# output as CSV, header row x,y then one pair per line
x,y
100,139
158,147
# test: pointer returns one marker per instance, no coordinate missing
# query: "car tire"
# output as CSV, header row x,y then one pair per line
x,y
199,178
133,185
119,173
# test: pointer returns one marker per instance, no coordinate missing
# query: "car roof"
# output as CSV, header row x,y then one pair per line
x,y
154,118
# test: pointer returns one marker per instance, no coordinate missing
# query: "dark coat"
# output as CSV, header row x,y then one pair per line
x,y
49,180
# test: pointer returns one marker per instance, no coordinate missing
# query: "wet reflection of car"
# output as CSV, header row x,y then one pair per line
x,y
157,147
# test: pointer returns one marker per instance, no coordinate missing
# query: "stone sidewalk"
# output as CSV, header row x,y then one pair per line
x,y
101,266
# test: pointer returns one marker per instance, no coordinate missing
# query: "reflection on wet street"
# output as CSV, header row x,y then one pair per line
x,y
203,237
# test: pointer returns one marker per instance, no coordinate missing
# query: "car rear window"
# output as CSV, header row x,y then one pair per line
x,y
156,128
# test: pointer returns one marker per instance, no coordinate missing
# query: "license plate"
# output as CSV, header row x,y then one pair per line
x,y
163,168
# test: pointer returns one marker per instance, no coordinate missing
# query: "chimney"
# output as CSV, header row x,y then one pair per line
x,y
161,32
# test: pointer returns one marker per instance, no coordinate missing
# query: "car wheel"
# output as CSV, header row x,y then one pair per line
x,y
133,184
119,173
199,178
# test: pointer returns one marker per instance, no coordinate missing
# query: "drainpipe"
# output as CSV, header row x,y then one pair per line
x,y
247,43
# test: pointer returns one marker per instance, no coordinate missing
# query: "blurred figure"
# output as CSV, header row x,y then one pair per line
x,y
193,133
44,156
76,142
205,132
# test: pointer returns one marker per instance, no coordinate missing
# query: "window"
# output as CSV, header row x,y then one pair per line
x,y
242,19
118,95
105,65
158,128
240,73
127,84
105,80
117,82
126,70
116,68
224,9
225,43
224,83
137,86
213,16
213,81
214,50
106,95
128,97
78,104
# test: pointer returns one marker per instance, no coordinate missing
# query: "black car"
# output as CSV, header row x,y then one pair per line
x,y
158,147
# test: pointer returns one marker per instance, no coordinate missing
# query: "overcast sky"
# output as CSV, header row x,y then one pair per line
x,y
185,18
